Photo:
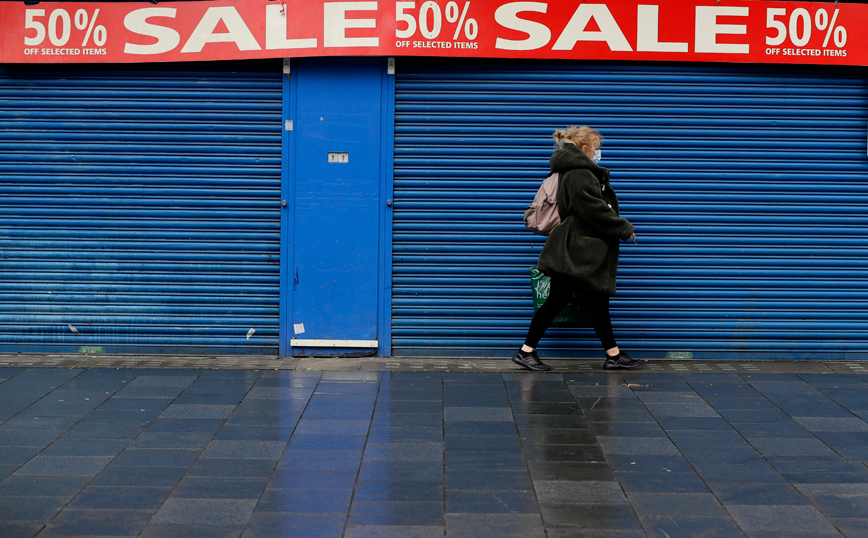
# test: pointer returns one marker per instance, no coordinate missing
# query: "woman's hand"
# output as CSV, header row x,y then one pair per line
x,y
633,237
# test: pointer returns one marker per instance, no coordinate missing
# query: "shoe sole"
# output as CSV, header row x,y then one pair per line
x,y
606,366
523,365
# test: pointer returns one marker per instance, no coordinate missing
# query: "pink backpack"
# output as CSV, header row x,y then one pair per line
x,y
541,216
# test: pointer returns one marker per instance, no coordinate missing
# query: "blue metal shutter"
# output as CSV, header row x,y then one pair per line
x,y
748,186
140,208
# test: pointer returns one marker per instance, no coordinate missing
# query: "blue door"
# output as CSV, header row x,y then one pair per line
x,y
335,184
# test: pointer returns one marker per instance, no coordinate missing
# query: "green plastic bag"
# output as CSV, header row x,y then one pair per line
x,y
571,316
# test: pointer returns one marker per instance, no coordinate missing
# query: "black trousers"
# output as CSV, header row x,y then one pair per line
x,y
559,295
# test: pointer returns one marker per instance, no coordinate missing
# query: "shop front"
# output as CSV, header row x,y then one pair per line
x,y
324,179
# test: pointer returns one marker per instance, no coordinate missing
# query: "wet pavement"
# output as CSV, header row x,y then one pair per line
x,y
678,450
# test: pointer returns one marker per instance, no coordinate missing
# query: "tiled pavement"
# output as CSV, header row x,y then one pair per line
x,y
679,450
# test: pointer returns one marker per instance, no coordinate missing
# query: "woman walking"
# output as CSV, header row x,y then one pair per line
x,y
581,254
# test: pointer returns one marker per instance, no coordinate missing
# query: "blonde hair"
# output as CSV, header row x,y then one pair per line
x,y
580,136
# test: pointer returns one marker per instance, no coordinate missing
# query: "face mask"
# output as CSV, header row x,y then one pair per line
x,y
597,156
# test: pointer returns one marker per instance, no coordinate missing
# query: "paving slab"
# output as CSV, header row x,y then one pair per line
x,y
273,447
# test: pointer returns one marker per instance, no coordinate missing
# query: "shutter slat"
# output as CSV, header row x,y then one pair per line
x,y
748,186
140,205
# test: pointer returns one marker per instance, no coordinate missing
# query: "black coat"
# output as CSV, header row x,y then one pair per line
x,y
584,246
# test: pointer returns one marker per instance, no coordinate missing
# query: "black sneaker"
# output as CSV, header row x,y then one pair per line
x,y
530,360
621,361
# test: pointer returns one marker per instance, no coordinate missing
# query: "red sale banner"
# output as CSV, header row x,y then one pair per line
x,y
647,30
